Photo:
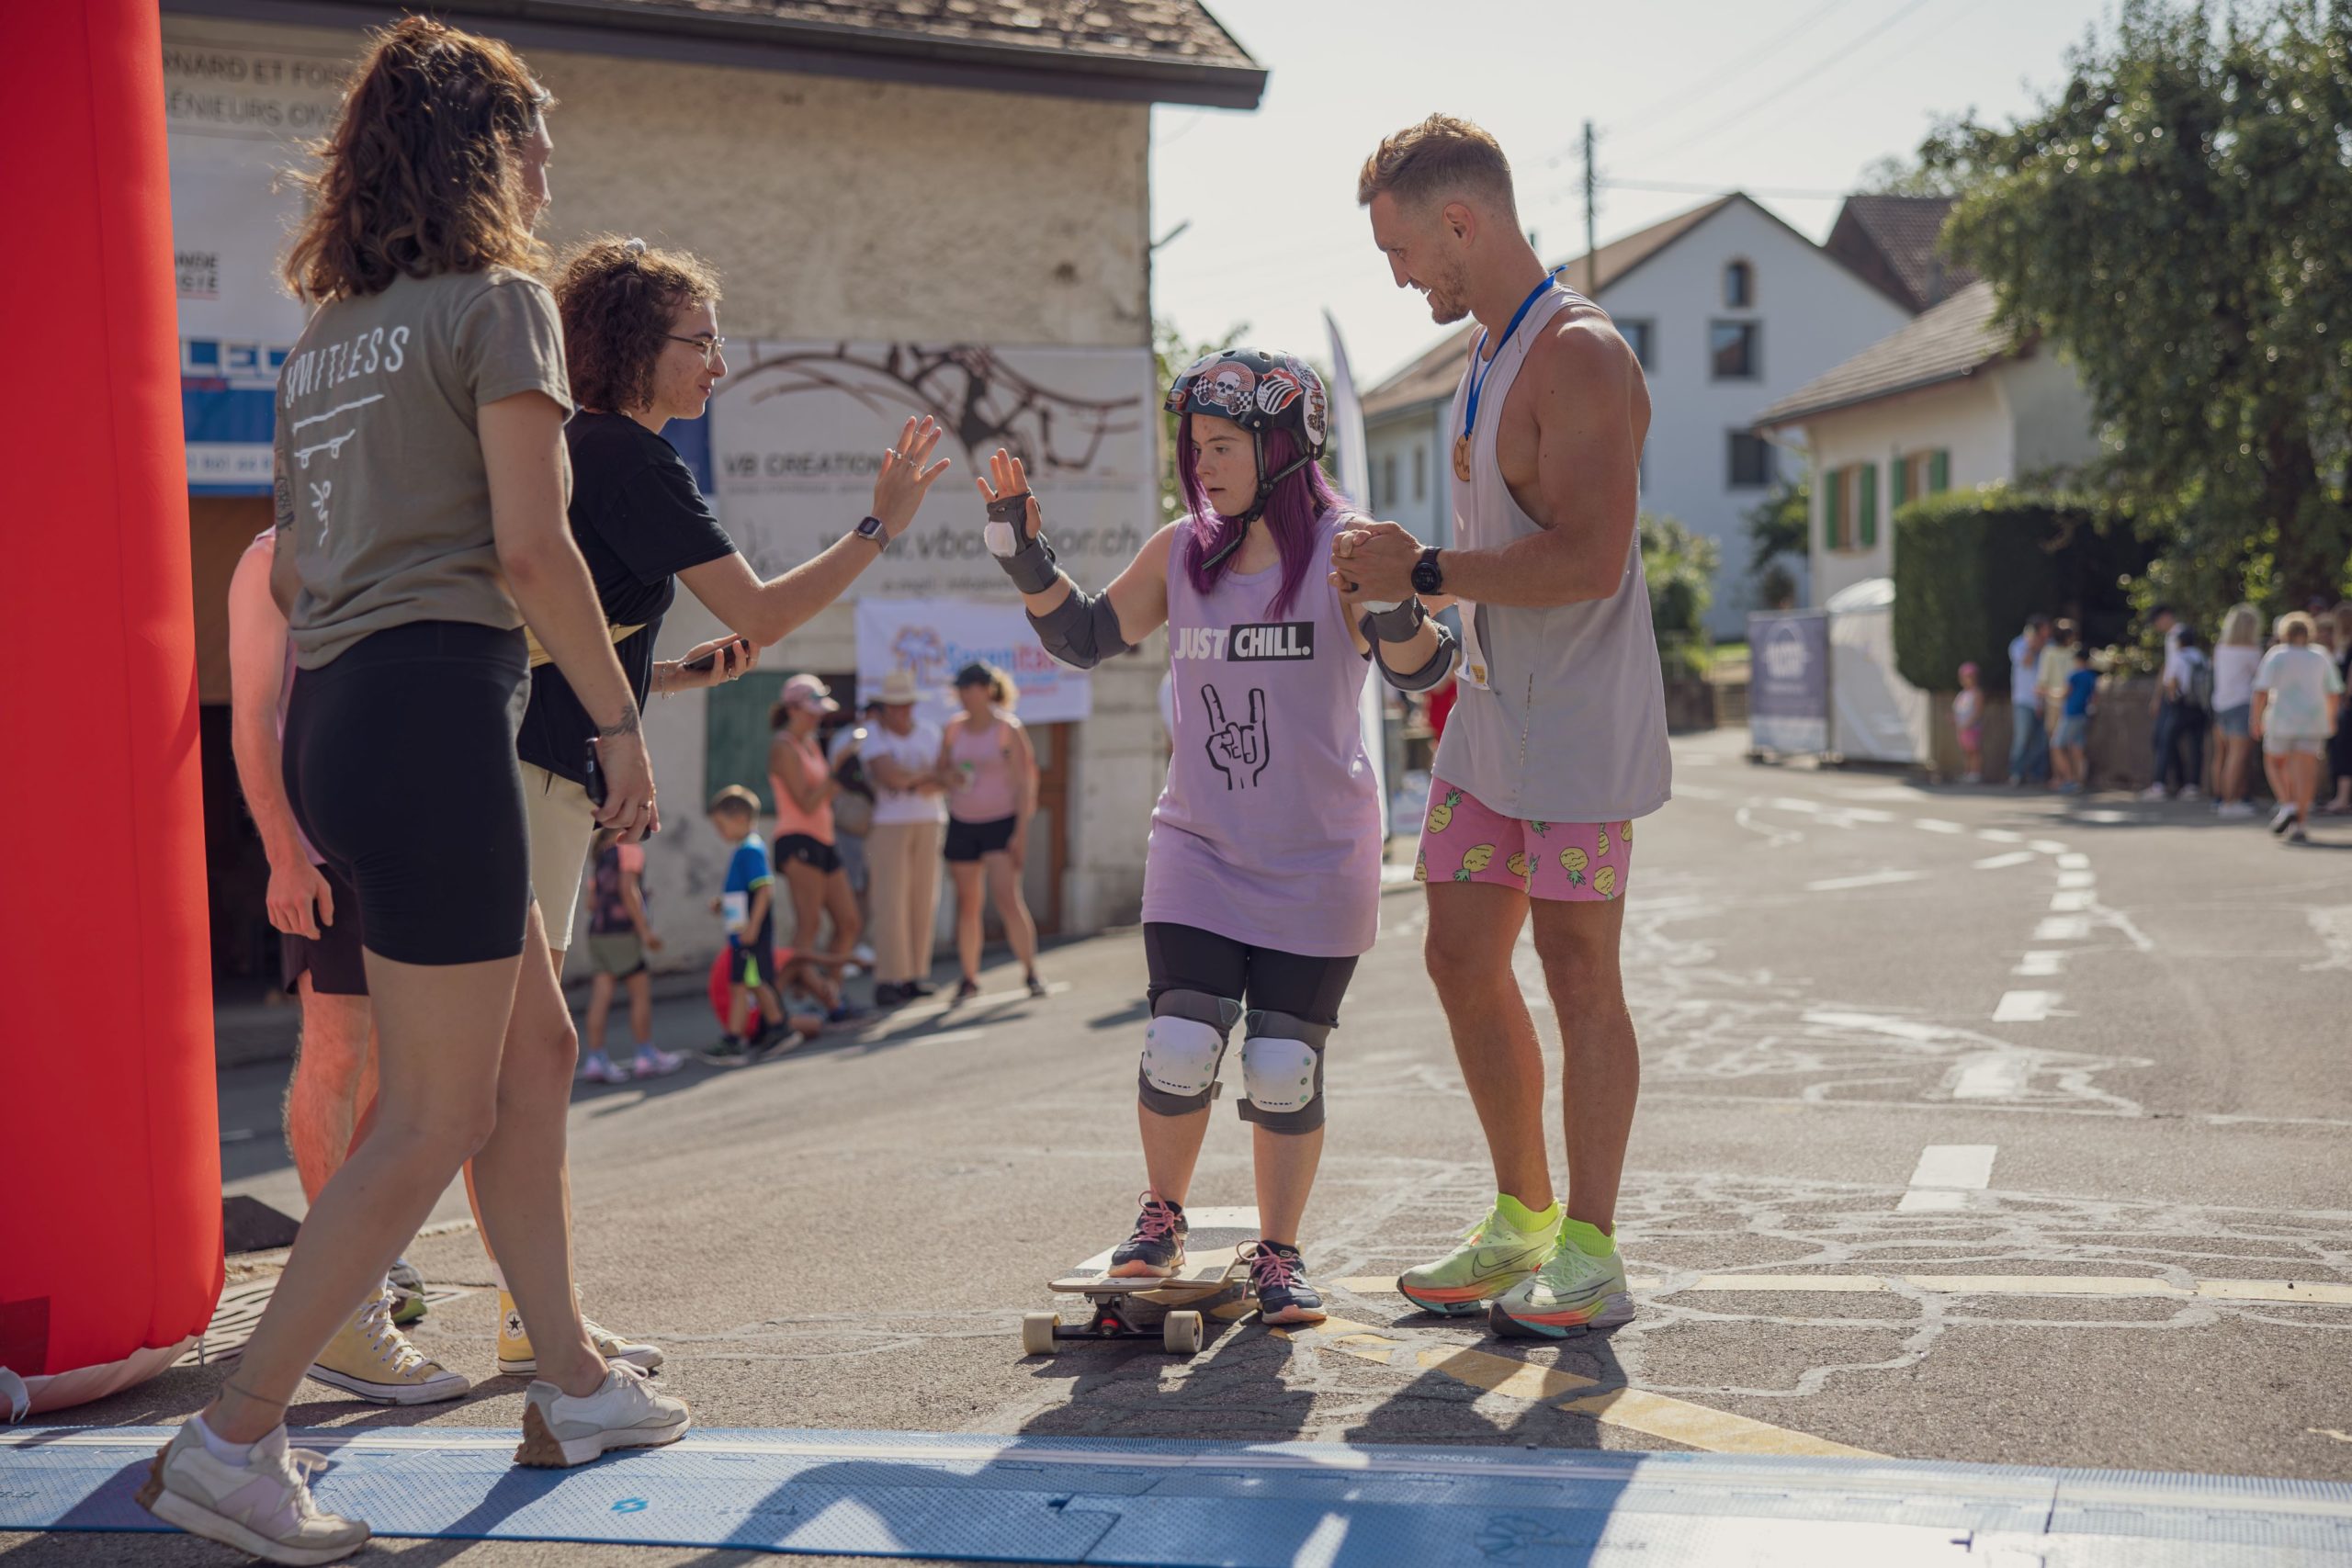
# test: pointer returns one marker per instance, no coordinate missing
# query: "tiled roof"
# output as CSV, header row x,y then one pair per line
x,y
1899,233
1434,373
1954,339
1176,44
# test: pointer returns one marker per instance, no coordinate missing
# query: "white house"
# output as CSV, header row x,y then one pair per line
x,y
1945,402
1727,306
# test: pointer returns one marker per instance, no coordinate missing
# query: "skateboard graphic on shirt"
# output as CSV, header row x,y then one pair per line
x,y
1237,751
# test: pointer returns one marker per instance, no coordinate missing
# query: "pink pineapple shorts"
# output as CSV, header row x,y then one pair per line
x,y
1465,841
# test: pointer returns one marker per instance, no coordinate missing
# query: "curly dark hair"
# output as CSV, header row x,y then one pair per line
x,y
423,171
618,297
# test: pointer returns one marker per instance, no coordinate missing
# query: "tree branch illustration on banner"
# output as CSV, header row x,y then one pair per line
x,y
983,401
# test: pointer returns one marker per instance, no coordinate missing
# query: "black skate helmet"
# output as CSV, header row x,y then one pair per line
x,y
1259,392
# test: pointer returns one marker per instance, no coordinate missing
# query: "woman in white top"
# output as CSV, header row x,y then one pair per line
x,y
2234,658
2294,713
901,754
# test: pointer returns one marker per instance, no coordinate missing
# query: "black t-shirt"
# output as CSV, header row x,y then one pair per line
x,y
639,520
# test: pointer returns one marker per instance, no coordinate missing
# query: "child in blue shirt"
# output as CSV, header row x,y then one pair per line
x,y
2070,749
747,905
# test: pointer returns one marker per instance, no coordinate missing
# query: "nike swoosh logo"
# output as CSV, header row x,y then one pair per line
x,y
1487,1258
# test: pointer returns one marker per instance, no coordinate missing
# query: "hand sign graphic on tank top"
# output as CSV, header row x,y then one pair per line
x,y
1237,751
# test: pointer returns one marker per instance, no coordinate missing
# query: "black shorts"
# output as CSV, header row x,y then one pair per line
x,y
333,962
399,766
968,842
1186,958
807,850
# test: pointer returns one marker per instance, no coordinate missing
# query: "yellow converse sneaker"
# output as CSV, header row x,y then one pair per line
x,y
371,1359
516,1359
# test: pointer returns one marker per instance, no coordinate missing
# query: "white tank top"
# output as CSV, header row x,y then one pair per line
x,y
1562,716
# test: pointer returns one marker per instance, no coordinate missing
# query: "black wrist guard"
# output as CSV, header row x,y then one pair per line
x,y
1397,625
1029,562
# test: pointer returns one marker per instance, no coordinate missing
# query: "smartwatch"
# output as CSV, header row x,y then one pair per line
x,y
1427,576
871,529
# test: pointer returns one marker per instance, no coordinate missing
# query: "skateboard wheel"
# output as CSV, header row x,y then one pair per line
x,y
1037,1333
1180,1333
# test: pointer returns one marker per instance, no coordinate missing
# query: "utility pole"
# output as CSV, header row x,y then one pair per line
x,y
1591,184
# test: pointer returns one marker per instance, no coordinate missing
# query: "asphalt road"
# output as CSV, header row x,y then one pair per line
x,y
2125,1025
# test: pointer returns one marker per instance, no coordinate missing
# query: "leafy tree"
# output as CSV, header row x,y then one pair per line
x,y
1779,527
2177,221
1896,175
1680,566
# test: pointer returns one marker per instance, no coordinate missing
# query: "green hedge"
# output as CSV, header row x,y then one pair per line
x,y
1970,565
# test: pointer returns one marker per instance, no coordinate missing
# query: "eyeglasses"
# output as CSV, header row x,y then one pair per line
x,y
709,347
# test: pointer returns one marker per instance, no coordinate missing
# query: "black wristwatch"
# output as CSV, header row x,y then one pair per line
x,y
1427,576
871,529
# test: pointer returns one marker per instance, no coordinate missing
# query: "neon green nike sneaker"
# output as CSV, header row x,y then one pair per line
x,y
1491,1258
1573,1291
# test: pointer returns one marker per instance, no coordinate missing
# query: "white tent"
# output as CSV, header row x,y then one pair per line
x,y
1875,715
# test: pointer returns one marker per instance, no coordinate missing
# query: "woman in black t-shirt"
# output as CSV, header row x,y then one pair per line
x,y
640,329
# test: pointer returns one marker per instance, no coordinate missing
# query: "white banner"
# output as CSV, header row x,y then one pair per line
x,y
798,431
935,638
1355,481
235,118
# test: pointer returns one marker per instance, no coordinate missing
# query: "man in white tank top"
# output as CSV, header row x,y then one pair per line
x,y
1558,741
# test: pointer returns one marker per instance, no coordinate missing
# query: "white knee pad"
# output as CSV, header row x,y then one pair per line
x,y
1281,1072
1182,1050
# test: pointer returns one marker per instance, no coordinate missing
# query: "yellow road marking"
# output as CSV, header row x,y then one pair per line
x,y
2305,1291
1656,1415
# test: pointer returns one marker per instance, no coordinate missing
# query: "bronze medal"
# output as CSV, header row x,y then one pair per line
x,y
1462,458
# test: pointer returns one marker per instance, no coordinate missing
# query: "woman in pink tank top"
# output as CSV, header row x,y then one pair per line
x,y
991,794
1261,880
804,787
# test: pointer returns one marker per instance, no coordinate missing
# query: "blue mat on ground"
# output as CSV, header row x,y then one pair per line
x,y
1099,1500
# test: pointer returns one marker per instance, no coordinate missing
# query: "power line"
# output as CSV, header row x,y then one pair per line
x,y
1640,123
1811,74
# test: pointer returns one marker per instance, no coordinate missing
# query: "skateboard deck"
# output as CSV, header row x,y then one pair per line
x,y
1161,1307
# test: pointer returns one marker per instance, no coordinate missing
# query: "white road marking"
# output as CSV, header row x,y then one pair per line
x,y
1999,836
1997,1075
1781,837
1865,814
1880,792
2025,1007
1791,803
2072,901
1946,1174
1936,825
1695,792
2002,863
2077,879
2039,964
1229,1216
2107,819
1321,1547
2063,928
1869,879
2073,860
2048,847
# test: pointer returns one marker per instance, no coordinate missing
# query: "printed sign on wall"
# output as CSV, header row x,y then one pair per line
x,y
799,429
935,638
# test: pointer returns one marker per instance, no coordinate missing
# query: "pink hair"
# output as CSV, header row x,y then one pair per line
x,y
1298,502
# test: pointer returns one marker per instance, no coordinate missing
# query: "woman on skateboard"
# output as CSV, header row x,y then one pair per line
x,y
1262,882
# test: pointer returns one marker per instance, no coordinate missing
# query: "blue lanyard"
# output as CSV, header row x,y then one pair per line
x,y
1477,376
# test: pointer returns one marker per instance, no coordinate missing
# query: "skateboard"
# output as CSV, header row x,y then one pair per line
x,y
1146,1307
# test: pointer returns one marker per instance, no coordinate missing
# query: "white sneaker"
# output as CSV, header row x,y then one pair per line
x,y
2235,809
624,1413
2190,792
597,1067
652,1062
370,1358
262,1507
2155,791
2282,820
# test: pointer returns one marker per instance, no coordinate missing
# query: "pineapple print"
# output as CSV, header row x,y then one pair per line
x,y
1573,861
1420,868
1604,882
1541,828
1442,814
1518,864
1476,858
1605,840
1626,832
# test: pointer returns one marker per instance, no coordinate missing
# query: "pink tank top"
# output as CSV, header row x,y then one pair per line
x,y
1269,828
790,816
984,790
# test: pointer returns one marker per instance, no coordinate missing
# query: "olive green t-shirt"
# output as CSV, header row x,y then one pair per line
x,y
380,482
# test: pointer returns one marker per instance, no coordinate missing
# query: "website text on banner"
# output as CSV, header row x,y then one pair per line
x,y
798,428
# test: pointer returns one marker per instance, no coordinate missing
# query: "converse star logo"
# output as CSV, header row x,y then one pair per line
x,y
514,1324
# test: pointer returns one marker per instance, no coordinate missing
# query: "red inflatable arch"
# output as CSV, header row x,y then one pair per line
x,y
109,1147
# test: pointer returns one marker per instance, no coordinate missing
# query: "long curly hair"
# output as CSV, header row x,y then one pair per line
x,y
423,171
618,297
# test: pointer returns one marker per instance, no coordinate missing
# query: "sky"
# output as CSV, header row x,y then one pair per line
x,y
1789,100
